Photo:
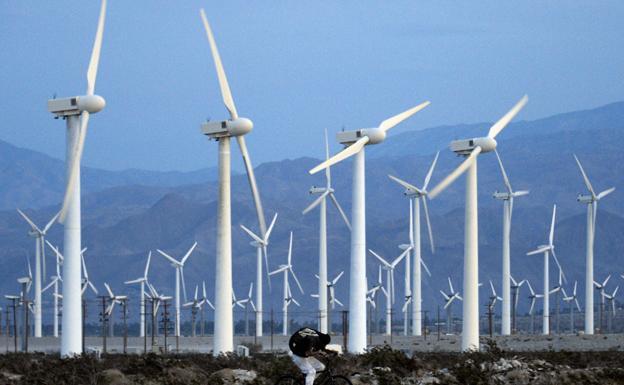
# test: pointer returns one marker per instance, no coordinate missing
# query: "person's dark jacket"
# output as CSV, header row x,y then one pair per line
x,y
306,341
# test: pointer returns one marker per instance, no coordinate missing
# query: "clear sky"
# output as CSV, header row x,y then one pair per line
x,y
296,67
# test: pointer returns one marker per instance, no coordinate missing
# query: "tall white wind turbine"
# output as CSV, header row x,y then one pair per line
x,y
261,244
355,141
55,282
471,148
40,265
323,193
572,300
416,195
592,207
547,250
507,197
179,266
76,110
223,131
287,269
142,281
389,291
449,297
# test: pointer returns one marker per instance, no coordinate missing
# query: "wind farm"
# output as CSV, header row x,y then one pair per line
x,y
356,158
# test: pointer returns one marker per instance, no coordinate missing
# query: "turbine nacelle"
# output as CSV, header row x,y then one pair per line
x,y
585,198
465,146
227,128
76,105
375,135
502,195
320,190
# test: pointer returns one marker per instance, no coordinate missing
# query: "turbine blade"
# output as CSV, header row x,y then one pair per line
x,y
223,83
342,155
605,193
405,184
551,236
270,229
585,178
425,266
327,170
95,53
456,173
559,265
31,223
188,253
169,257
383,261
251,179
51,222
429,230
505,178
316,202
149,258
340,210
539,251
502,122
183,281
108,289
337,278
396,119
252,235
430,172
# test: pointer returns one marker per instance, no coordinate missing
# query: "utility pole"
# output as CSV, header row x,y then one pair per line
x,y
345,328
490,313
104,321
153,317
193,319
438,322
271,329
124,308
165,321
425,324
144,311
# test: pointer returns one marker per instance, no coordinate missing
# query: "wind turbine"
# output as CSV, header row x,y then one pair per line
x,y
40,261
601,288
179,266
142,281
558,291
203,302
570,299
323,193
371,297
416,195
591,200
86,282
355,141
121,299
389,292
55,281
611,299
494,297
471,148
222,131
331,288
76,110
261,244
508,200
449,297
547,250
533,297
286,269
244,303
515,287
195,305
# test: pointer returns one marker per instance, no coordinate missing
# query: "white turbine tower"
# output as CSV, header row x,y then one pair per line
x,y
416,195
355,141
324,192
55,282
223,131
592,207
286,269
508,200
547,250
179,266
261,244
40,265
389,292
471,148
142,281
75,110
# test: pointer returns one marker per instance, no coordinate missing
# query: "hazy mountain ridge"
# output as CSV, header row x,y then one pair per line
x,y
122,223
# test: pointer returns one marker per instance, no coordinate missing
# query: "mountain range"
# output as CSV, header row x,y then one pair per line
x,y
128,213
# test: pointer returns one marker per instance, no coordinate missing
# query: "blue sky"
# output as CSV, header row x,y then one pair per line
x,y
296,68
